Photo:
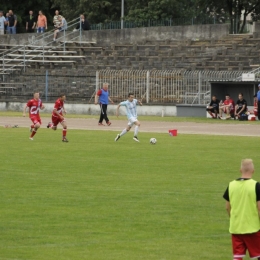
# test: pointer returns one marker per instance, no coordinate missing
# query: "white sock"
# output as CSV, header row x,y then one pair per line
x,y
136,130
123,132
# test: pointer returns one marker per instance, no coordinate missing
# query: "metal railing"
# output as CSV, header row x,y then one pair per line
x,y
42,42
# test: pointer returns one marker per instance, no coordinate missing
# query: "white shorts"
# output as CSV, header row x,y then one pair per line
x,y
2,31
131,121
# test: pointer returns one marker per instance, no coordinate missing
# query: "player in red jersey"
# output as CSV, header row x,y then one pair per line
x,y
34,105
227,107
57,117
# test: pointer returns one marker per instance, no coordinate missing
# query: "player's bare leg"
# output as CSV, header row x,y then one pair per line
x,y
36,127
137,125
228,113
64,131
123,132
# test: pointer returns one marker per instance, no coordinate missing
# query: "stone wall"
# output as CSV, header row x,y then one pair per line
x,y
135,35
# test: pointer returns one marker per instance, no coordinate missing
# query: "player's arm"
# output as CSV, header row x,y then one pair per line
x,y
117,110
55,111
64,110
24,110
42,107
97,96
228,207
139,103
112,102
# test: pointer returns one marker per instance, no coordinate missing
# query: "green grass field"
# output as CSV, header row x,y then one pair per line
x,y
93,198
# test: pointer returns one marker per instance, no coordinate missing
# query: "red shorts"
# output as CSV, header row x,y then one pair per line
x,y
56,120
231,111
36,119
250,242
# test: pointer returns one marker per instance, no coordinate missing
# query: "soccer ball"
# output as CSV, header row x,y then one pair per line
x,y
153,141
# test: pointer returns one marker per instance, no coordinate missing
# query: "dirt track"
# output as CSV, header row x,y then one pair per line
x,y
243,129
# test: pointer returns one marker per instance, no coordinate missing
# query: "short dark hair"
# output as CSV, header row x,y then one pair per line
x,y
227,95
241,94
130,94
62,94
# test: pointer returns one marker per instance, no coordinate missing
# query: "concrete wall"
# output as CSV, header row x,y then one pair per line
x,y
135,35
94,109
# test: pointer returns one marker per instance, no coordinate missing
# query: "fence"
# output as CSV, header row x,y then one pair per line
x,y
153,87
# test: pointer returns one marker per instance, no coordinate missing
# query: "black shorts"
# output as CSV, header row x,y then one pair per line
x,y
213,110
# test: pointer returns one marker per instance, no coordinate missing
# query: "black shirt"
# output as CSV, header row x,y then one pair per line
x,y
257,190
30,20
214,104
240,104
12,18
84,25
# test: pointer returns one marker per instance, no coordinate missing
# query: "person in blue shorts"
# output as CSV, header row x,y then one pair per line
x,y
130,105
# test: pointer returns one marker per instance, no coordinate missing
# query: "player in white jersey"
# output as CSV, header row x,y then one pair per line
x,y
131,113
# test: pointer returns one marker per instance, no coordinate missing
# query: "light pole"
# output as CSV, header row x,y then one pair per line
x,y
122,14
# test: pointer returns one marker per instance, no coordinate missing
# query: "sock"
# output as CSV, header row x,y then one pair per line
x,y
51,125
33,133
136,130
123,132
64,132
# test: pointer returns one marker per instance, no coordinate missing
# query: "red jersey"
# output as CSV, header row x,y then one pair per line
x,y
228,102
34,107
58,106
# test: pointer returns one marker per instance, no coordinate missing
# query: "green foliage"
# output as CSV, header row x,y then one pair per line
x,y
95,199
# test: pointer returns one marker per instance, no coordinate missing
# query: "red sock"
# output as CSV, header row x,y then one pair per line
x,y
33,133
64,132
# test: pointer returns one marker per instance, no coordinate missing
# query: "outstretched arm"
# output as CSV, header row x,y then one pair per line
x,y
117,110
139,103
112,102
24,110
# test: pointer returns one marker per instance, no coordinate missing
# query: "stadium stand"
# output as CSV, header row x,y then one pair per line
x,y
72,64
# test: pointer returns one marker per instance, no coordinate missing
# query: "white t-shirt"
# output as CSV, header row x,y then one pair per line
x,y
2,22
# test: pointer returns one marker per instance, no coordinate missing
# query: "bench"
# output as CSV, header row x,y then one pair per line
x,y
43,61
46,56
46,51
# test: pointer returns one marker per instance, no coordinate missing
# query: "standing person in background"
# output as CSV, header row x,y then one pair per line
x,y
56,20
243,207
12,22
2,23
6,24
34,106
103,96
41,23
131,112
30,22
85,26
258,101
57,117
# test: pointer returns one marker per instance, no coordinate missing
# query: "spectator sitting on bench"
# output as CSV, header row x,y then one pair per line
x,y
227,107
213,108
241,106
62,27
